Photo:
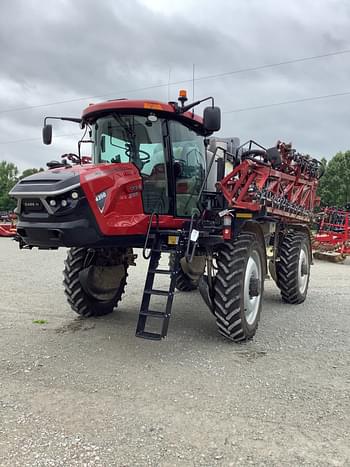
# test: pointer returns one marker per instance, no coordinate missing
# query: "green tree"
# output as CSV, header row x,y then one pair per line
x,y
334,188
8,178
28,172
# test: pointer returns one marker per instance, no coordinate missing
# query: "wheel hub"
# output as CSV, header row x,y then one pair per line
x,y
303,269
101,282
254,287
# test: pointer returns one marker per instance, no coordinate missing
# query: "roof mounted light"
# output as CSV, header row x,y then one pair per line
x,y
182,96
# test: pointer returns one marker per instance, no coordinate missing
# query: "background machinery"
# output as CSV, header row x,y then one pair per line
x,y
332,240
224,212
7,224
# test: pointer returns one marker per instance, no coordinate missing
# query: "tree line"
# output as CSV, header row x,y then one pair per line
x,y
334,186
9,176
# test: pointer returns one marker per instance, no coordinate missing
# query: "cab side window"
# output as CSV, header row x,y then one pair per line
x,y
155,181
189,167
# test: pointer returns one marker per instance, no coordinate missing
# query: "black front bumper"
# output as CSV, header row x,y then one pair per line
x,y
77,228
76,233
58,234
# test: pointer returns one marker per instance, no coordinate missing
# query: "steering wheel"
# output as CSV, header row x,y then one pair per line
x,y
146,158
142,160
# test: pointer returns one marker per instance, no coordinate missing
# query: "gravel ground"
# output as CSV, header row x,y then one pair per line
x,y
88,393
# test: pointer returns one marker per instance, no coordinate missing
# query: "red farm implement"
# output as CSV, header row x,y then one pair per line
x,y
7,225
332,241
7,230
278,180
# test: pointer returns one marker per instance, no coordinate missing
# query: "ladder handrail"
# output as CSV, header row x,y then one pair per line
x,y
154,213
188,256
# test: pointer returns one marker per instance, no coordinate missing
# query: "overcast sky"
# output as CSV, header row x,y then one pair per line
x,y
89,51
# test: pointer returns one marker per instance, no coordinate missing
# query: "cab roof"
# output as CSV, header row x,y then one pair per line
x,y
165,110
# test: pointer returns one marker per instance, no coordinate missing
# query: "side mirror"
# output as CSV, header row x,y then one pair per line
x,y
47,134
212,118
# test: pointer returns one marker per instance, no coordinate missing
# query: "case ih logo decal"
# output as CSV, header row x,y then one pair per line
x,y
100,200
32,204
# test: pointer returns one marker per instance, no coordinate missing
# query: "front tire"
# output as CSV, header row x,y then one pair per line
x,y
293,267
94,281
239,286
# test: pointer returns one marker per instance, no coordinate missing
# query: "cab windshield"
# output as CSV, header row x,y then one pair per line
x,y
129,138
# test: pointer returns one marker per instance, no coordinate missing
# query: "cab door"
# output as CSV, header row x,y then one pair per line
x,y
188,157
139,140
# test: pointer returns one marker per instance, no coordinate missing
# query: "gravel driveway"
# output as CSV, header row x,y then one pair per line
x,y
88,393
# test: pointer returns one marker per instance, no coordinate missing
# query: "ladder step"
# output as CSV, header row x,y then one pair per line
x,y
154,314
161,271
164,293
159,246
149,335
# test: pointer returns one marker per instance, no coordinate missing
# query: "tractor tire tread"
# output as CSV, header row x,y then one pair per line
x,y
77,298
231,269
287,267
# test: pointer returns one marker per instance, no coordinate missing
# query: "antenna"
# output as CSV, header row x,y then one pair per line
x,y
169,75
193,82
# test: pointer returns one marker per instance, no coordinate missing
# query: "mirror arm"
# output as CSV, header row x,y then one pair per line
x,y
69,119
187,107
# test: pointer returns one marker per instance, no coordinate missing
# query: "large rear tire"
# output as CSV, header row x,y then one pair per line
x,y
239,286
95,281
293,267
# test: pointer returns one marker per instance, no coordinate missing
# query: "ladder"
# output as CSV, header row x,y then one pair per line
x,y
159,246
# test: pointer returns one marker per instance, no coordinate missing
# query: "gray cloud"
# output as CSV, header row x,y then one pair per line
x,y
65,50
